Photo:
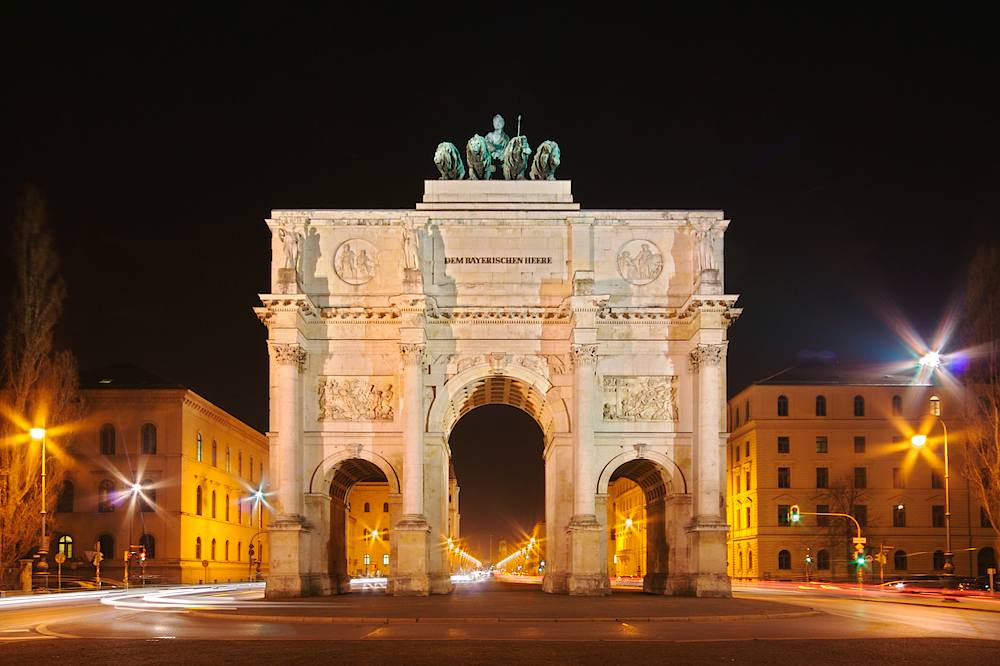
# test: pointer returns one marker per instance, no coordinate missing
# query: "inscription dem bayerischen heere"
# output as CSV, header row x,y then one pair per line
x,y
498,260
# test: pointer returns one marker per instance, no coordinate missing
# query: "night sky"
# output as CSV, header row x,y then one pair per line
x,y
855,156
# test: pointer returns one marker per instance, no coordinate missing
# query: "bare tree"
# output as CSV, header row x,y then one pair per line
x,y
843,496
39,383
981,330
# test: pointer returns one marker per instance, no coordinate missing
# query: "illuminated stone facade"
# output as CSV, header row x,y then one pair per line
x,y
172,442
608,327
836,440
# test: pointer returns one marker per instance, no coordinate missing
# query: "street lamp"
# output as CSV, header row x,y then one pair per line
x,y
38,435
918,441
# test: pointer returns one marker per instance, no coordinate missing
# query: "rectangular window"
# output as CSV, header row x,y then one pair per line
x,y
738,483
861,514
737,453
748,450
898,480
937,515
937,481
784,446
385,559
783,515
859,444
784,477
860,477
748,481
821,445
899,516
822,521
748,517
822,477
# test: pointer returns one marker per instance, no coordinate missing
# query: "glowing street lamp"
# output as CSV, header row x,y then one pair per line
x,y
38,435
931,360
919,441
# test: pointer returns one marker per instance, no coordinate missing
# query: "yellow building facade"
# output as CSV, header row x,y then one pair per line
x,y
627,521
161,467
840,442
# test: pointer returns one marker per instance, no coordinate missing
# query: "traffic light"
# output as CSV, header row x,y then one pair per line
x,y
250,552
859,554
809,556
793,514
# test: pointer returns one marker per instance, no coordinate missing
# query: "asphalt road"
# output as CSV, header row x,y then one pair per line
x,y
212,625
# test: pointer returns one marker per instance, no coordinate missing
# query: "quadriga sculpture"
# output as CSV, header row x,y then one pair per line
x,y
477,154
546,161
449,161
515,158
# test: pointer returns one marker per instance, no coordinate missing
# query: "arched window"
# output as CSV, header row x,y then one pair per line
x,y
107,440
107,544
149,439
227,508
897,405
65,546
105,496
784,560
859,406
197,548
821,405
65,502
197,500
213,550
385,507
899,560
239,511
147,497
148,541
385,558
741,561
198,450
368,507
225,551
823,560
215,454
368,558
938,560
213,507
782,405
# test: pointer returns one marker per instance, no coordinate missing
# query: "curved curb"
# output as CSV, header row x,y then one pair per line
x,y
320,619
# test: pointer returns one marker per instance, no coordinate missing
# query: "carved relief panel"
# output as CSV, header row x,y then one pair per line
x,y
356,399
639,398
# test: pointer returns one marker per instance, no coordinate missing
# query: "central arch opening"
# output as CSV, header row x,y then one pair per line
x,y
497,431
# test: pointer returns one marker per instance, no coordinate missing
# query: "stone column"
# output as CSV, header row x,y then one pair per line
x,y
411,567
290,359
584,529
289,561
709,525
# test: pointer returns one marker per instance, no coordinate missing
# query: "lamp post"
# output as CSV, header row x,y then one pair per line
x,y
38,435
918,441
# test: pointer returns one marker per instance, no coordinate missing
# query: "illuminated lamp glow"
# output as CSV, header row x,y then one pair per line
x,y
37,433
918,440
931,360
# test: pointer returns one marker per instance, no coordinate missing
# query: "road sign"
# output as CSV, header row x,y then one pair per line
x,y
859,540
59,558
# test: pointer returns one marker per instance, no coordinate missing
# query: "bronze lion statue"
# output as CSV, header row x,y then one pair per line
x,y
477,154
546,161
515,158
449,161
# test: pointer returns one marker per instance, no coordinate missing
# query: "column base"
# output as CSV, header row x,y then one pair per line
x,y
587,576
287,577
655,583
440,583
410,577
708,548
555,583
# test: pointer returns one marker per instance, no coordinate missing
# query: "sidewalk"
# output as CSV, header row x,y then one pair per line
x,y
498,602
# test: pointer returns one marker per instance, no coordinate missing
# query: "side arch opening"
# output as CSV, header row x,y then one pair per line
x,y
638,552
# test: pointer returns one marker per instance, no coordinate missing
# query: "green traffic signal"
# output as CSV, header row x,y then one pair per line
x,y
793,514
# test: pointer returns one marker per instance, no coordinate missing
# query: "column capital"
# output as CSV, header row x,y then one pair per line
x,y
584,354
412,353
289,353
707,355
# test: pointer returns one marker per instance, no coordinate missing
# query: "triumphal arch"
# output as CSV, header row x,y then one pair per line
x,y
608,327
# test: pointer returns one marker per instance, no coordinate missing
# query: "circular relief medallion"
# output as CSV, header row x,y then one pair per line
x,y
639,262
355,261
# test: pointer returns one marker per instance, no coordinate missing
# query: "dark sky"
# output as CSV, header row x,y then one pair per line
x,y
855,155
